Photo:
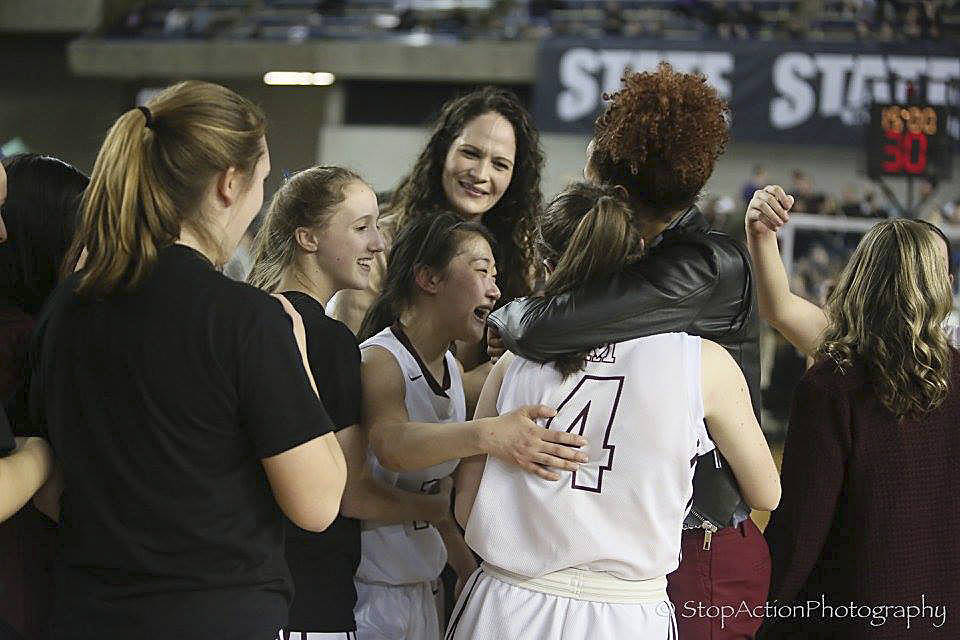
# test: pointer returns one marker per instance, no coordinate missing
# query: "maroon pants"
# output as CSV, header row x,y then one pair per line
x,y
719,594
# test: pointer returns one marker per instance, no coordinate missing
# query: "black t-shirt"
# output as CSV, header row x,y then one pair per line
x,y
159,405
323,564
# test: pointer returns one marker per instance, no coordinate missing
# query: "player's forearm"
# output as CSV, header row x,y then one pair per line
x,y
367,498
773,287
22,473
411,446
799,321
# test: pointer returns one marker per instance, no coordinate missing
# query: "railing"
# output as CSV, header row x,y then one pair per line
x,y
839,224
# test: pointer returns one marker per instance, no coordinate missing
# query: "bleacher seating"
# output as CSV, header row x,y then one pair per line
x,y
833,20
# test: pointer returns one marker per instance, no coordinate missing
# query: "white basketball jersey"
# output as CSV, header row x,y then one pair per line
x,y
639,404
412,552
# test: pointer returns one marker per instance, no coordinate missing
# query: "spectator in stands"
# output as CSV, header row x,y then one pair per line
x,y
807,200
711,14
925,190
951,212
723,19
201,21
814,269
912,27
176,22
483,161
131,23
408,20
540,9
873,208
756,181
40,212
864,14
177,402
851,205
931,19
613,21
748,20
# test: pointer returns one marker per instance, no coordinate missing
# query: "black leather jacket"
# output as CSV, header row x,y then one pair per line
x,y
692,279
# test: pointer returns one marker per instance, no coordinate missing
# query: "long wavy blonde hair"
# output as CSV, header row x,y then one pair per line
x,y
886,313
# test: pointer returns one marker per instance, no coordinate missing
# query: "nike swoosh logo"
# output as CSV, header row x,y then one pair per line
x,y
414,378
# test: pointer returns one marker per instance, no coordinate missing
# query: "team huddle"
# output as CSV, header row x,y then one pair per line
x,y
462,376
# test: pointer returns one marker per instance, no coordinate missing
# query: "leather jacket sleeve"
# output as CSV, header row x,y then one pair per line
x,y
694,281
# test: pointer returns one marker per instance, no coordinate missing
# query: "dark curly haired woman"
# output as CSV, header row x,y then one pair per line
x,y
482,161
659,141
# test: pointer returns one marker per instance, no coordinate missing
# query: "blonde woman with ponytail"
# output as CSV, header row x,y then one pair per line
x,y
319,237
588,556
175,400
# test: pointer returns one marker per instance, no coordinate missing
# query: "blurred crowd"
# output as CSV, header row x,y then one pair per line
x,y
299,20
853,201
820,255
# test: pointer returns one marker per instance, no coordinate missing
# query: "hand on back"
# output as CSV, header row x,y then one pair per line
x,y
516,438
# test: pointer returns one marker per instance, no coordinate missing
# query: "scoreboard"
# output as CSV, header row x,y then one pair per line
x,y
908,140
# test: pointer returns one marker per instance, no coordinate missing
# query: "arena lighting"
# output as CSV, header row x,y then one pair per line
x,y
290,78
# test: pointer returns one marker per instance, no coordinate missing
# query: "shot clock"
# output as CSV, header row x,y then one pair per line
x,y
908,140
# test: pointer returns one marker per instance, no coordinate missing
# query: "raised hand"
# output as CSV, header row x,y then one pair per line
x,y
769,209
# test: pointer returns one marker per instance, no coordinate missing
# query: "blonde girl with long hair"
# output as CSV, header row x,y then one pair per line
x,y
869,500
320,237
175,400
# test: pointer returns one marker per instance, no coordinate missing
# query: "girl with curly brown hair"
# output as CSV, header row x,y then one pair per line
x,y
483,161
659,141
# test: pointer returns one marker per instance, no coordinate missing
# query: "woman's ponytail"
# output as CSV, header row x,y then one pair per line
x,y
601,236
151,175
588,233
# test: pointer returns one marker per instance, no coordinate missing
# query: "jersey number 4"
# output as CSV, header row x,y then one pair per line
x,y
590,411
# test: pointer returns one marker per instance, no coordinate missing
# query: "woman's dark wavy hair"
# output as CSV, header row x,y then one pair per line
x,y
514,219
41,212
424,242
